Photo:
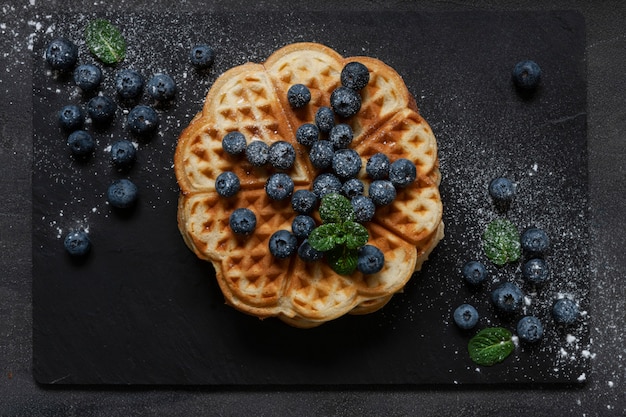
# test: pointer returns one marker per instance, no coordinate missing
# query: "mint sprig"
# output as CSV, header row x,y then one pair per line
x,y
339,236
105,41
501,242
491,346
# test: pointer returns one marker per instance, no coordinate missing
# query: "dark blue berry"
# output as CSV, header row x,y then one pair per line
x,y
227,184
345,102
123,153
258,153
142,120
324,119
341,136
382,192
242,221
307,134
402,173
88,77
535,241
101,109
321,154
536,271
282,155
298,96
307,253
474,272
352,188
507,297
71,117
530,329
161,87
377,166
526,75
283,244
234,143
370,260
565,311
302,226
81,143
325,184
355,76
61,54
279,186
128,83
346,163
501,190
466,316
304,201
122,193
77,243
364,208
202,56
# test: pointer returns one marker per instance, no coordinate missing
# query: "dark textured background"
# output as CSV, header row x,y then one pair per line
x,y
602,395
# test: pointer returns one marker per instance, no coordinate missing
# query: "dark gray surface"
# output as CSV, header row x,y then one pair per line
x,y
602,395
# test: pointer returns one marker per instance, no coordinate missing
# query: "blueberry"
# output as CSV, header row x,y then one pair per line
x,y
242,221
345,102
101,109
279,186
307,134
227,184
122,193
526,75
282,155
307,253
77,243
370,260
355,76
142,120
161,87
501,190
321,154
364,208
324,119
402,173
474,272
234,143
258,153
377,166
565,311
283,244
88,77
466,316
81,143
536,271
341,136
123,153
325,184
535,241
382,192
346,163
529,329
61,54
507,297
298,96
128,83
71,117
302,226
352,188
202,56
304,201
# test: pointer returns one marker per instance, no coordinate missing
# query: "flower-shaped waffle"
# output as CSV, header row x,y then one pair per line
x,y
252,99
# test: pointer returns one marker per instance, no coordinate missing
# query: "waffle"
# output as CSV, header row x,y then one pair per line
x,y
252,99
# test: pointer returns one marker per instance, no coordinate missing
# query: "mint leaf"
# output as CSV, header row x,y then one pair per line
x,y
336,208
342,260
490,346
501,242
324,237
105,41
356,234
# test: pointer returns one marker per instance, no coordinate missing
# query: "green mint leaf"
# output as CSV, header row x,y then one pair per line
x,y
501,242
490,346
105,41
342,260
324,237
356,234
336,208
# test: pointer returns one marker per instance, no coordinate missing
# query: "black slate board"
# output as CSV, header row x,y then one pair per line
x,y
142,310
